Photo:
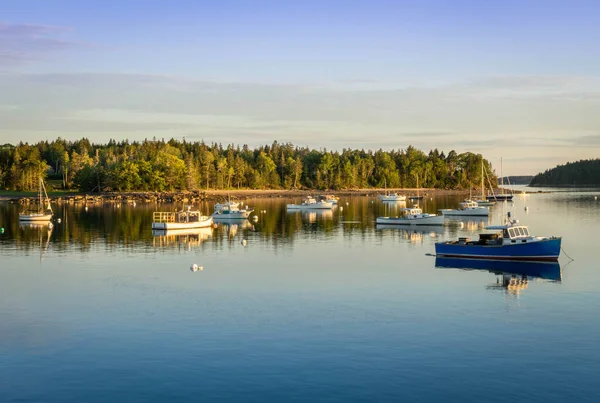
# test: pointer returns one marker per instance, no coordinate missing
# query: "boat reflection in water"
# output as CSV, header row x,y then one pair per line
x,y
413,233
515,275
180,237
468,223
231,229
316,215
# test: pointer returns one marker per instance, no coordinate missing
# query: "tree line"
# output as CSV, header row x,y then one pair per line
x,y
580,173
159,165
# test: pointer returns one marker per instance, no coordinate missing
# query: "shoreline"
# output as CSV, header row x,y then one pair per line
x,y
222,195
218,195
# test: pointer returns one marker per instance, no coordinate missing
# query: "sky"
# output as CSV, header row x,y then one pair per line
x,y
517,80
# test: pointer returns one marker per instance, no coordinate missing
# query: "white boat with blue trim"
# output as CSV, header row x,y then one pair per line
x,y
231,211
467,208
310,203
412,216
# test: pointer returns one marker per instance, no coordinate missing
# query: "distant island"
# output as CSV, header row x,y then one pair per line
x,y
516,180
580,173
159,165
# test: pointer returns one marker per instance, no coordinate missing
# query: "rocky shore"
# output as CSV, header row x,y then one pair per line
x,y
217,195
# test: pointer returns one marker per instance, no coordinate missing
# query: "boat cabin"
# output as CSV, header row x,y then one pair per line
x,y
468,204
414,211
505,234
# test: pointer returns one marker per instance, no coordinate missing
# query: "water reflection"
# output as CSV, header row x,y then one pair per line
x,y
413,233
512,276
314,216
181,237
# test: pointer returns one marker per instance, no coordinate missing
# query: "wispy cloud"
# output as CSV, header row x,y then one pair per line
x,y
25,43
556,123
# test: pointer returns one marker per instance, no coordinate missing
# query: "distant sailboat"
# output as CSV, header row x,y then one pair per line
x,y
483,201
502,196
41,214
418,196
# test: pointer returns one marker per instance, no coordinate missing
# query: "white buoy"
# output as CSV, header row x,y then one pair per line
x,y
595,197
59,221
255,218
347,203
50,225
341,208
86,208
194,267
244,242
462,224
134,204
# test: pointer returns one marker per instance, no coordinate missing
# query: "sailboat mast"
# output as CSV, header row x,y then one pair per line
x,y
501,176
482,192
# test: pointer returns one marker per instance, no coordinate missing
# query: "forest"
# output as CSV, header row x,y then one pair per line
x,y
159,165
580,173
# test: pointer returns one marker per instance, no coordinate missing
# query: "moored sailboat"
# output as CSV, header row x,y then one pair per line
x,y
44,211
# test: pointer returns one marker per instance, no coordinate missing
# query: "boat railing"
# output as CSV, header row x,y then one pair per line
x,y
164,216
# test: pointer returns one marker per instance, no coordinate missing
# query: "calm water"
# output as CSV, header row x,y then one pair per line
x,y
316,307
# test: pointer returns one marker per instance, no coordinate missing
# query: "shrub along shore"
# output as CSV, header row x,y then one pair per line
x,y
212,195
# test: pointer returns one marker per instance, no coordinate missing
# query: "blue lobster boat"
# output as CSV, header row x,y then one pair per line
x,y
503,242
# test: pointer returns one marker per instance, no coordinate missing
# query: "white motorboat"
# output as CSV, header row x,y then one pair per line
x,y
41,214
412,216
467,208
392,197
310,204
166,220
330,199
230,211
219,206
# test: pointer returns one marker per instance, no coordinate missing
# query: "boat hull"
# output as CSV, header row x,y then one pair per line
x,y
392,198
202,223
35,217
434,220
235,215
476,212
542,250
205,232
499,197
315,206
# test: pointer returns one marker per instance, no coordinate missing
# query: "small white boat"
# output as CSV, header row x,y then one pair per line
x,y
310,204
163,220
230,211
412,216
392,197
40,215
219,206
330,199
467,208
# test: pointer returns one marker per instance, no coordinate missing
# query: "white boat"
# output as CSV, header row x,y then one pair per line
x,y
330,199
310,204
467,208
392,197
412,216
41,215
167,220
219,206
230,211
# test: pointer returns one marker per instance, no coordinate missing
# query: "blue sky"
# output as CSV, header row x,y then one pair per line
x,y
518,79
